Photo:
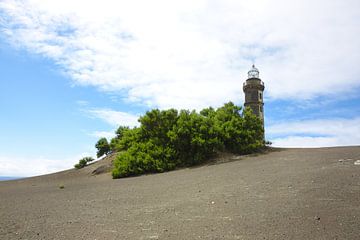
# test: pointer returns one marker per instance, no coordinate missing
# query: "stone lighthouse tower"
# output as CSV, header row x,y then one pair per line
x,y
254,88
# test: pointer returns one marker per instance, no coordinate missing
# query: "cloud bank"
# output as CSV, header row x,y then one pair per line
x,y
22,166
192,54
316,133
114,118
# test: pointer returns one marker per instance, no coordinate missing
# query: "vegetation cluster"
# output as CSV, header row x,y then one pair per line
x,y
167,139
83,162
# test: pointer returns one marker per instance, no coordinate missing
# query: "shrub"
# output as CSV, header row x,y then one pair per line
x,y
123,142
83,162
143,158
193,138
240,133
102,146
168,139
88,159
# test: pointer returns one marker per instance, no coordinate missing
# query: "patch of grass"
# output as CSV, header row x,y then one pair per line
x,y
61,186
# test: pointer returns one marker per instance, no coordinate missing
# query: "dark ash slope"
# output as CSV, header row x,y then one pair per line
x,y
285,194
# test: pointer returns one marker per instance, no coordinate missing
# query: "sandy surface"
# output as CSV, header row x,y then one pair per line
x,y
285,194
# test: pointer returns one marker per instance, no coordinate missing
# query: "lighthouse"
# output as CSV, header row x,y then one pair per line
x,y
253,88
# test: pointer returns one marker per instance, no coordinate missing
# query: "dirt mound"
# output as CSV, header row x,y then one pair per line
x,y
103,166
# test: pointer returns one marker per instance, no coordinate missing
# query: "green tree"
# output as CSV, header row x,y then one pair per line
x,y
240,132
121,131
194,138
156,124
167,139
143,157
83,162
115,143
129,136
102,146
252,132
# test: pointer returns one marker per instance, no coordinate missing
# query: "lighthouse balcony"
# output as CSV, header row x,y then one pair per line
x,y
254,84
253,81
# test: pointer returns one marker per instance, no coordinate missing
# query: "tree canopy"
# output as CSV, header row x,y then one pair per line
x,y
167,139
102,146
83,162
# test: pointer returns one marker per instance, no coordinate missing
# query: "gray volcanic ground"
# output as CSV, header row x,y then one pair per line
x,y
284,194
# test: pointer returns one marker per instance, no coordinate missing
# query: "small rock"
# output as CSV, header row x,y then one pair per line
x,y
212,202
340,160
357,162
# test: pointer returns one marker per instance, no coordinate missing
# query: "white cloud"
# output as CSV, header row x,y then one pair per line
x,y
192,54
82,103
106,134
304,142
21,166
114,118
316,133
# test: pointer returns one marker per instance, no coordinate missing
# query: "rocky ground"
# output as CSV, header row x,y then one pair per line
x,y
283,194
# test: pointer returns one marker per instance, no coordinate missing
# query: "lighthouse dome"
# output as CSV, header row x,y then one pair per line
x,y
254,72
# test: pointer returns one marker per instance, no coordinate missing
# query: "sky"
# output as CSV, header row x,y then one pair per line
x,y
73,71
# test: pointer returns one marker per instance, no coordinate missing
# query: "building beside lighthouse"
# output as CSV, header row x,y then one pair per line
x,y
254,93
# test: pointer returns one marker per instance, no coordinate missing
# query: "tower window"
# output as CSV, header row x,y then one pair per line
x,y
260,95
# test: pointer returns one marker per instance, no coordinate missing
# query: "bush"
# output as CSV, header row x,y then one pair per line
x,y
123,142
168,139
240,133
142,158
193,138
83,162
103,147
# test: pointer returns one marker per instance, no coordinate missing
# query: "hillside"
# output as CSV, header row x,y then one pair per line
x,y
284,194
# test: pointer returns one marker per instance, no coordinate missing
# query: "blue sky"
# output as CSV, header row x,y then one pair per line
x,y
70,74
